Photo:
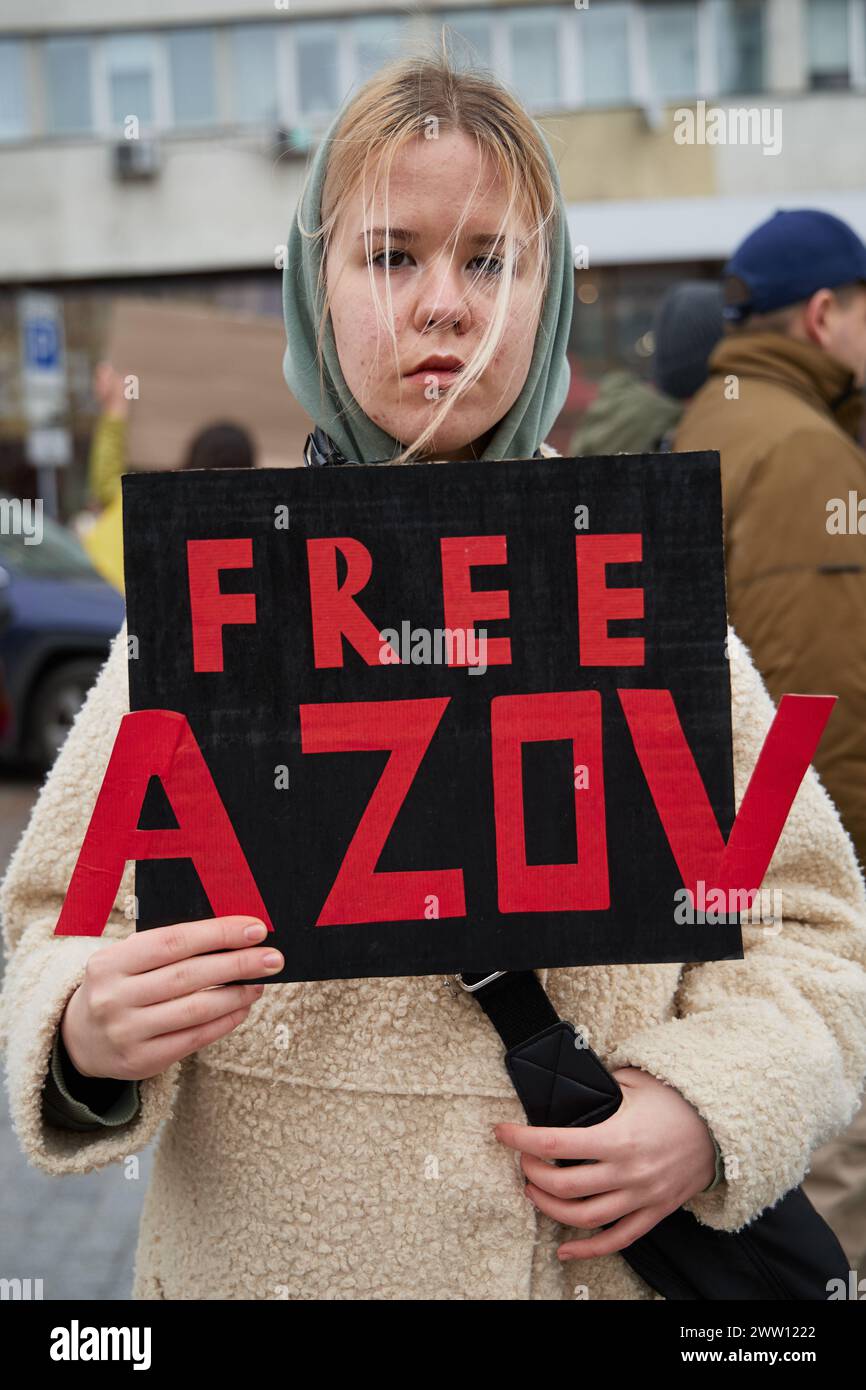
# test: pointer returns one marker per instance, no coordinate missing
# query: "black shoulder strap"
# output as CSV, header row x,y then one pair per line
x,y
514,1001
786,1252
558,1077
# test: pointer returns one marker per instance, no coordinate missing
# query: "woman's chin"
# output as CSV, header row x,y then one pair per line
x,y
457,450
457,443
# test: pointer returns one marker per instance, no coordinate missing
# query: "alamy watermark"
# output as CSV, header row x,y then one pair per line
x,y
855,1289
21,518
439,646
846,516
719,907
20,1289
86,1343
735,125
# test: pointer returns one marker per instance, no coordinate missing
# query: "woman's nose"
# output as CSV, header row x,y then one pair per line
x,y
442,300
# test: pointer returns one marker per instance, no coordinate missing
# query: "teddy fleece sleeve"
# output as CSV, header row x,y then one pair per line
x,y
43,971
771,1049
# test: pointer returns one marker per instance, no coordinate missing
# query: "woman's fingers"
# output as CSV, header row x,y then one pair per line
x,y
618,1237
190,1011
146,1041
198,972
584,1180
175,984
161,946
171,1047
586,1213
607,1140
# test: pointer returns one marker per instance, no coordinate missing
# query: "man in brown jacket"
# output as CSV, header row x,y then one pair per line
x,y
783,404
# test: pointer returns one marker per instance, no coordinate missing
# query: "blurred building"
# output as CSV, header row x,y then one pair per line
x,y
158,147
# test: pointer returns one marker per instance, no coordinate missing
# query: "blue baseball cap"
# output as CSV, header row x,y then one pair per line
x,y
789,257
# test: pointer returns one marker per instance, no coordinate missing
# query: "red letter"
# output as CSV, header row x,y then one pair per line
x,y
334,611
681,799
517,719
157,743
359,894
597,604
210,608
462,604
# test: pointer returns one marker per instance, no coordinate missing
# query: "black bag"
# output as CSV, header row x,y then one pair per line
x,y
787,1252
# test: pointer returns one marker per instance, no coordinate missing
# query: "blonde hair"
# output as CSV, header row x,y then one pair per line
x,y
421,96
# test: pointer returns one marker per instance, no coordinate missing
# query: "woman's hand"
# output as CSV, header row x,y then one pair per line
x,y
652,1155
148,1000
108,387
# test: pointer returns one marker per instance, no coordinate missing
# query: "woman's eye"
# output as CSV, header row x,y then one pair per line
x,y
377,258
491,265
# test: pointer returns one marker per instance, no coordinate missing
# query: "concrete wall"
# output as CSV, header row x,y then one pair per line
x,y
223,202
226,203
214,205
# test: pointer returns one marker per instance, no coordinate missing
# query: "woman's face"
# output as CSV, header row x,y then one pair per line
x,y
439,309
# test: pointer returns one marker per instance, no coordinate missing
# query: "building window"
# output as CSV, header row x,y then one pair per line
x,y
672,49
254,73
470,43
739,40
827,44
534,55
13,91
377,39
316,49
191,73
68,85
131,63
603,31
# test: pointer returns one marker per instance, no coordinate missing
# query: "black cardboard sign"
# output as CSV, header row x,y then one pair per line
x,y
416,816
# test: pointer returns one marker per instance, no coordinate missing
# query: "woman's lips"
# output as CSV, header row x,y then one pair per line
x,y
445,377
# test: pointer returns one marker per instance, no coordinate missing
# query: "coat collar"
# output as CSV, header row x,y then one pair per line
x,y
803,368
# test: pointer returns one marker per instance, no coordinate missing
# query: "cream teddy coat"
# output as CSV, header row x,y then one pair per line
x,y
338,1144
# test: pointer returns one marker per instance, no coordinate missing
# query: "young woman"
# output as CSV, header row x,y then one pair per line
x,y
361,1138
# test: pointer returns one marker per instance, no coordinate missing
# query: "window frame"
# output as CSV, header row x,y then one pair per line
x,y
856,50
498,19
90,131
575,50
19,42
225,36
162,122
192,127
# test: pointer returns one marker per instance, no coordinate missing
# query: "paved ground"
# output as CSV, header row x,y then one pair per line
x,y
17,794
76,1234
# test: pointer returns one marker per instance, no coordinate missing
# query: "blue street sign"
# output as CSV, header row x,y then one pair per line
x,y
41,344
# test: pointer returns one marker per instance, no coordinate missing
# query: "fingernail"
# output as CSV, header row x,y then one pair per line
x,y
272,961
255,931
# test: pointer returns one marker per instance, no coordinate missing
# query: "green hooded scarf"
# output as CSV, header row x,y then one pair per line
x,y
518,433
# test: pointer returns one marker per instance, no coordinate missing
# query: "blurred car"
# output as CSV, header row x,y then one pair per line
x,y
57,619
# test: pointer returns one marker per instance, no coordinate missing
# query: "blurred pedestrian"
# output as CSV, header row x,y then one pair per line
x,y
783,405
687,326
222,444
632,416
